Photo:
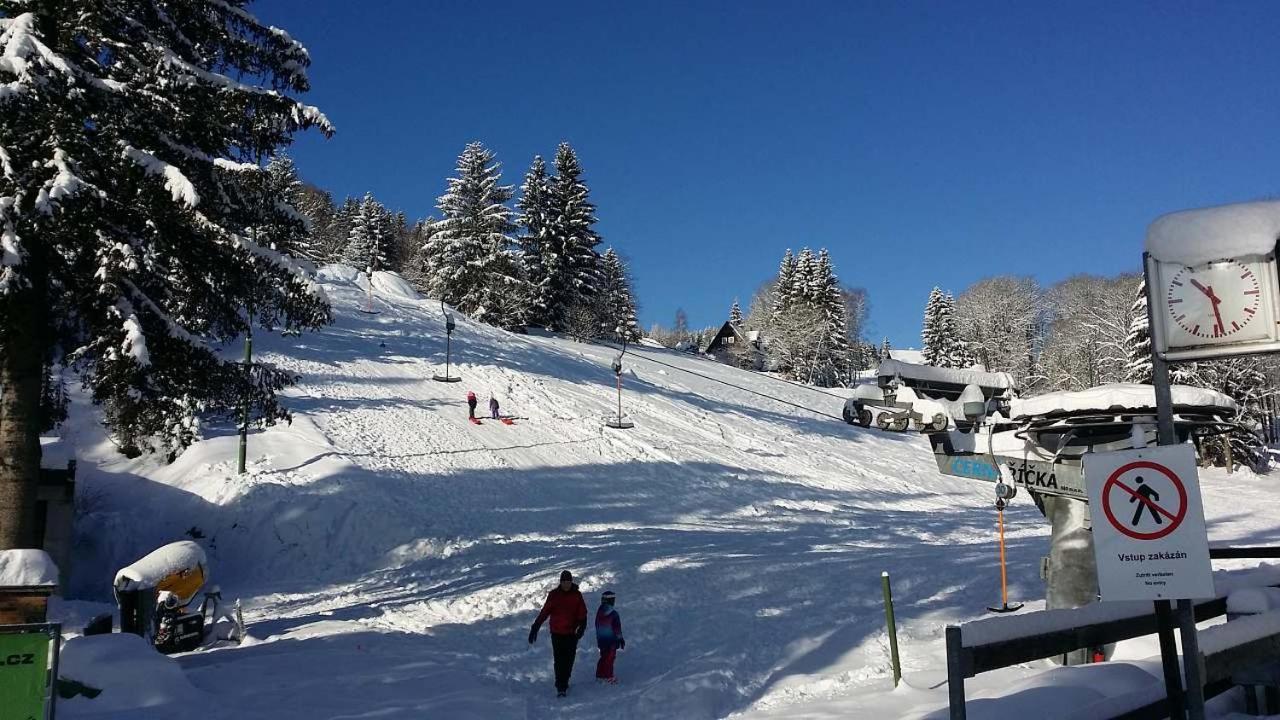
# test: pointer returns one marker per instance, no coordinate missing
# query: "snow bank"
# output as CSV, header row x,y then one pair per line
x,y
1195,237
1094,691
24,568
160,563
986,631
928,373
1251,601
1116,397
389,284
337,272
130,674
1239,631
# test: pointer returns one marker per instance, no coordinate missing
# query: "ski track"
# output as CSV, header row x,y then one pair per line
x,y
386,534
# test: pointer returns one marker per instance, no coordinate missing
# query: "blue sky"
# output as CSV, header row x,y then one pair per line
x,y
923,143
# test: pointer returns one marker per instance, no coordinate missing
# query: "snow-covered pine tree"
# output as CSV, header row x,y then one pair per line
x,y
931,342
832,350
617,300
287,229
369,239
784,287
470,261
735,314
570,262
542,260
1138,369
804,279
132,135
885,347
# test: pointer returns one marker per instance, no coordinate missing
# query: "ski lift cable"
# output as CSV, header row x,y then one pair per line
x,y
739,387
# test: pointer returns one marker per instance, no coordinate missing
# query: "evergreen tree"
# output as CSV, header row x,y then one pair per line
x,y
571,265
470,261
1139,341
931,341
287,229
542,259
618,302
803,279
369,240
885,347
735,314
784,287
129,171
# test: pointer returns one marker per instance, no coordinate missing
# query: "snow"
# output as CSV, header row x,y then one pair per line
x,y
160,563
1195,237
391,556
174,181
64,184
914,357
990,630
1239,631
135,342
24,568
892,368
131,675
1253,600
392,285
1116,397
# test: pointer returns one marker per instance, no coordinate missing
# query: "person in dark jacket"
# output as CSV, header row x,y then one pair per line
x,y
493,407
608,637
568,613
471,405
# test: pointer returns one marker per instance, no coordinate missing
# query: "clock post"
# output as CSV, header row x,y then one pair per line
x,y
1212,292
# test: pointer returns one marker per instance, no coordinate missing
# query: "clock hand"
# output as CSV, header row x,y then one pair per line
x,y
1207,291
1218,314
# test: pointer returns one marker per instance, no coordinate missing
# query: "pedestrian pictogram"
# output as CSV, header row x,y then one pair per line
x,y
1148,524
1144,500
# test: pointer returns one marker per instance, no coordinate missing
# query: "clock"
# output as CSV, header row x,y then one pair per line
x,y
1215,309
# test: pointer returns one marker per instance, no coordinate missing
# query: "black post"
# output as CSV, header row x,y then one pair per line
x,y
1169,660
955,673
448,349
1166,435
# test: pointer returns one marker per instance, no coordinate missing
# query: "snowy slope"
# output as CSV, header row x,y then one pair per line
x,y
391,555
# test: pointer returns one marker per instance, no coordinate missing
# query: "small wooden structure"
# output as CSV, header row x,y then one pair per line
x,y
27,579
733,345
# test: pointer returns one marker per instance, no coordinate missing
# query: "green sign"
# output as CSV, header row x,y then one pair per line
x,y
24,675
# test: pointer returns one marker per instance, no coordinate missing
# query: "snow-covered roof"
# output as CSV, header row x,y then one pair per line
x,y
915,357
25,568
955,376
160,563
1116,397
1195,237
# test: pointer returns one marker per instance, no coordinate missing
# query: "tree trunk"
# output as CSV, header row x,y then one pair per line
x,y
21,365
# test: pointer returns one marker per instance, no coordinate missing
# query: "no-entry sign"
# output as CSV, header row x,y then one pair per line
x,y
1148,524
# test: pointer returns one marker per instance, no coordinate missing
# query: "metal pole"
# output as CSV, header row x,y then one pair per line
x,y
1166,435
893,627
619,398
1191,660
448,348
1004,583
244,409
955,674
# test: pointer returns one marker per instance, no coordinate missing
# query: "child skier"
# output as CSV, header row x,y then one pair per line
x,y
471,405
493,407
608,637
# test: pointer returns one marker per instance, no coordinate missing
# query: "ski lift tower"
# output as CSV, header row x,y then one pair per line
x,y
448,348
619,422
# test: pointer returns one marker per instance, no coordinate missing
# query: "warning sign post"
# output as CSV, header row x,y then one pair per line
x,y
1148,524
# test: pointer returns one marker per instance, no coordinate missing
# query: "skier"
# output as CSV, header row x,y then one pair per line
x,y
493,406
608,637
568,613
471,405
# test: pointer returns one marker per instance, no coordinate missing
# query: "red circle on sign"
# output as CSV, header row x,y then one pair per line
x,y
1114,480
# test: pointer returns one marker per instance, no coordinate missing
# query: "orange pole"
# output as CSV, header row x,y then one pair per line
x,y
1004,588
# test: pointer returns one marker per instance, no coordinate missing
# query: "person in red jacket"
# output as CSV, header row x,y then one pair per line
x,y
568,613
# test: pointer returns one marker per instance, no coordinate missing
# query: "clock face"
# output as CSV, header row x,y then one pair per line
x,y
1217,302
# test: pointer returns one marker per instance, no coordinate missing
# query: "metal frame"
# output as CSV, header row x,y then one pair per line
x,y
54,631
1271,315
